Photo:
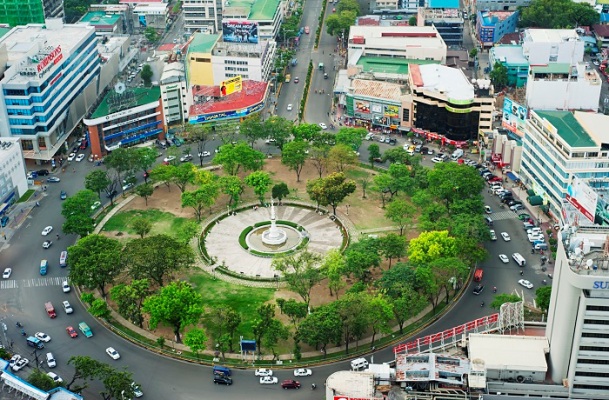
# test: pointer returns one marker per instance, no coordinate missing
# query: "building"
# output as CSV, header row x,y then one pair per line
x,y
252,20
51,80
601,32
544,46
396,42
23,12
445,102
431,368
579,311
559,146
252,61
104,23
501,5
448,21
13,181
384,5
125,117
492,25
351,384
512,58
175,95
151,15
198,59
565,86
204,16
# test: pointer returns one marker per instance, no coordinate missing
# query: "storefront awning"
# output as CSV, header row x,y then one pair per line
x,y
512,176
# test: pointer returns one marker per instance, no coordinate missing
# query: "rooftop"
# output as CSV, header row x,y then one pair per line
x,y
435,14
443,3
585,247
442,79
389,65
100,18
254,10
509,54
203,43
396,37
550,35
231,49
352,384
509,352
141,96
252,93
378,89
510,38
431,367
568,128
552,68
492,17
150,7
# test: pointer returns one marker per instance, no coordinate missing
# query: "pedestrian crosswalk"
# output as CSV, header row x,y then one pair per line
x,y
34,282
507,214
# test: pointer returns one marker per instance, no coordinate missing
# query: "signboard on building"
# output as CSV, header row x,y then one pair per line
x,y
514,117
240,31
231,86
231,114
582,197
50,59
362,107
392,111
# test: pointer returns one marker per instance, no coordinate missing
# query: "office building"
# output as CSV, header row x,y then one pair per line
x,y
500,5
511,57
13,181
151,15
446,17
544,46
104,23
175,95
204,16
491,26
23,12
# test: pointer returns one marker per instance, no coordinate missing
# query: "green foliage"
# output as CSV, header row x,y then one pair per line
x,y
183,175
429,246
129,299
151,35
300,272
542,297
223,322
87,298
499,75
361,256
330,190
504,298
473,52
144,190
339,23
412,21
294,155
279,129
557,14
99,309
232,186
320,328
77,211
204,196
401,213
334,267
295,310
253,129
196,339
97,181
243,235
260,182
392,246
41,380
162,222
341,157
86,369
141,226
348,5
240,156
373,152
351,137
280,191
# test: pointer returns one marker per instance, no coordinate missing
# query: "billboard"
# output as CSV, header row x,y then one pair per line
x,y
240,31
514,117
582,197
362,107
231,86
231,114
392,111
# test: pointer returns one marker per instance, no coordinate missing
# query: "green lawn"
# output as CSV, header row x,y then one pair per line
x,y
162,222
26,196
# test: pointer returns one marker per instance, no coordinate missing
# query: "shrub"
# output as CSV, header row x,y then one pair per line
x,y
243,235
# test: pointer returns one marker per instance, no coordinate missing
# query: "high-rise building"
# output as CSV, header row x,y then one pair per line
x,y
23,12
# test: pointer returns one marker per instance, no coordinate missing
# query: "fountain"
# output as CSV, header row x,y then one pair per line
x,y
274,236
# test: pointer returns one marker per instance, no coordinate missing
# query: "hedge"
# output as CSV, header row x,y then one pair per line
x,y
243,235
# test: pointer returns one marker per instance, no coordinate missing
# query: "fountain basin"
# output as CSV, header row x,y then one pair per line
x,y
257,239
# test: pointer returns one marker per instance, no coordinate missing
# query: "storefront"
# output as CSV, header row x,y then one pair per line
x,y
373,115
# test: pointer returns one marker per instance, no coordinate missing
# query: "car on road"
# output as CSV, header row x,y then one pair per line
x,y
168,159
72,332
63,195
7,273
96,205
65,287
137,390
14,360
223,380
323,126
289,107
186,157
290,384
46,244
488,210
307,30
20,364
71,156
525,283
67,307
4,221
205,154
47,230
53,179
43,172
517,207
42,336
263,372
506,236
80,157
113,353
504,259
296,80
112,194
303,372
268,380
438,158
493,234
478,289
56,378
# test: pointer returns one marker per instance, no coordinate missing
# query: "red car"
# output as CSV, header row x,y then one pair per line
x,y
495,179
290,384
307,30
72,332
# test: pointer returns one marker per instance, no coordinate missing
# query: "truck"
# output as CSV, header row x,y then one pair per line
x,y
457,154
50,309
288,78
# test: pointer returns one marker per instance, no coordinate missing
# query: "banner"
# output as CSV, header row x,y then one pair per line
x,y
392,111
240,31
582,197
362,107
231,86
514,117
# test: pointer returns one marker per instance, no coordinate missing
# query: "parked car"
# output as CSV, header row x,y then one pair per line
x,y
493,235
20,364
505,236
517,207
186,157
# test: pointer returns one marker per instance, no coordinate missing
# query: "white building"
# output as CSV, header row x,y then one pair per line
x,y
13,181
175,96
50,79
251,61
151,15
562,86
544,46
266,14
202,15
405,42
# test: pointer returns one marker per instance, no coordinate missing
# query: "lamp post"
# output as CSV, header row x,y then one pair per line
x,y
227,210
348,209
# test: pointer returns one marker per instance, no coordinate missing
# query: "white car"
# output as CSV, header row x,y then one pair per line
x,y
47,230
20,364
42,336
517,207
268,380
71,156
493,235
65,286
289,107
438,158
7,273
128,186
113,353
504,258
96,205
168,159
137,391
205,154
46,244
80,157
536,231
505,236
323,126
186,157
263,372
526,283
535,238
67,307
303,372
14,360
56,378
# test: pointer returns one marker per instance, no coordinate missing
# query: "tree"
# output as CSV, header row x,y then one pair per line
x,y
320,328
333,189
280,191
542,298
278,129
177,305
261,324
557,14
374,152
499,75
295,310
452,182
314,190
144,190
275,332
364,182
163,173
156,257
407,306
85,368
392,246
147,74
117,384
306,132
99,309
182,175
353,312
123,161
334,267
260,182
96,181
341,157
141,226
412,21
94,262
339,23
196,339
504,298
473,53
319,157
201,198
294,156
351,137
151,35
401,213
200,134
429,246
77,211
232,186
380,313
348,5
129,299
361,256
144,158
41,380
381,184
233,158
253,129
301,272
223,322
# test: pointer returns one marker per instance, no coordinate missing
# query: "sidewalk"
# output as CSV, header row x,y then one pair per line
x,y
18,214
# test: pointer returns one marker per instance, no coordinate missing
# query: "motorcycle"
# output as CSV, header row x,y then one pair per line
x,y
18,324
313,386
482,304
23,332
494,290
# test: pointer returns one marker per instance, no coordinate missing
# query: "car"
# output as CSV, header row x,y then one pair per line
x,y
495,179
263,372
47,230
186,157
296,80
536,231
290,384
111,194
96,205
289,107
128,186
492,234
14,360
525,283
307,30
63,195
42,336
65,287
505,236
43,172
488,210
524,217
168,159
67,307
71,156
378,159
72,332
53,179
268,380
46,244
534,237
382,139
504,259
528,224
4,221
478,289
56,378
517,207
303,372
20,364
113,353
595,62
137,390
323,126
513,202
437,159
80,157
7,273
223,380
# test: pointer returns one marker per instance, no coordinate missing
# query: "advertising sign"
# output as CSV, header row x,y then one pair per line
x,y
362,107
392,111
231,86
514,117
376,108
582,197
231,114
240,31
52,58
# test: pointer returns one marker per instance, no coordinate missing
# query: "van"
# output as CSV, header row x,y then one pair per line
x,y
478,275
519,259
489,221
457,154
63,259
359,363
418,148
51,360
84,328
370,136
221,370
35,342
44,264
50,309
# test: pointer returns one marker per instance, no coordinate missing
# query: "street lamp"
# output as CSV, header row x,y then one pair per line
x,y
348,209
227,210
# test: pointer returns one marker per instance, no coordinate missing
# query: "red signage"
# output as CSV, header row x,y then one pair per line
x,y
54,56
